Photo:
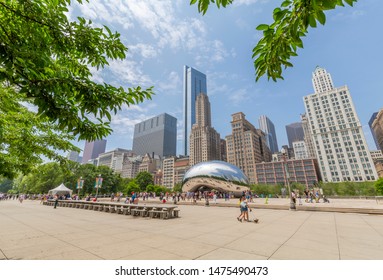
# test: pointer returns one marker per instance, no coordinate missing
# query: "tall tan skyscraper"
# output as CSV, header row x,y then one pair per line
x,y
246,146
204,140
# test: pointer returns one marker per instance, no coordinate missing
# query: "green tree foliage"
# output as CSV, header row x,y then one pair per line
x,y
143,179
5,185
25,137
282,38
42,179
348,189
160,189
379,186
50,175
177,188
132,187
45,62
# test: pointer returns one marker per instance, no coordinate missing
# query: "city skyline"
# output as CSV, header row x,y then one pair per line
x,y
182,36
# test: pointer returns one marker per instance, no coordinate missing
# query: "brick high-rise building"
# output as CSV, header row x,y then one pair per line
x,y
246,146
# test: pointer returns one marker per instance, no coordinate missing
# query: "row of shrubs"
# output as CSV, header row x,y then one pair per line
x,y
329,189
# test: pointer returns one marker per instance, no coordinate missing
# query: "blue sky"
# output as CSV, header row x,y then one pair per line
x,y
164,35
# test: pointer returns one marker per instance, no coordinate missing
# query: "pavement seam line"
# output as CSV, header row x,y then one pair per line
x,y
337,236
4,254
309,216
371,226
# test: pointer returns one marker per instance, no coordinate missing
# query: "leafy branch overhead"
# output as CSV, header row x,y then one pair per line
x,y
48,59
47,95
283,37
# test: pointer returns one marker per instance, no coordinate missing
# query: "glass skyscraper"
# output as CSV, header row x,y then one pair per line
x,y
294,133
194,84
156,135
267,126
93,149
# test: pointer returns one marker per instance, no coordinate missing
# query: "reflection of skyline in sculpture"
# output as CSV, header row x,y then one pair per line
x,y
217,175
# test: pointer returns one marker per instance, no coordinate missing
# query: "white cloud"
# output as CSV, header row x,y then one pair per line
x,y
107,11
145,50
173,83
130,72
249,2
239,96
128,117
355,14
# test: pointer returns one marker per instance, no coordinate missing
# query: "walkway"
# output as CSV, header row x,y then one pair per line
x,y
33,231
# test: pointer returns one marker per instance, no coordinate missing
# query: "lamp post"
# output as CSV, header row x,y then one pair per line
x,y
98,183
292,203
80,184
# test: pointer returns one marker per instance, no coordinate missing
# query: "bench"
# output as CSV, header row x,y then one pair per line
x,y
378,199
158,214
176,213
120,210
127,211
112,209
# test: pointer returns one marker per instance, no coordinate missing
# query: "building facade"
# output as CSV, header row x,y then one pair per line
x,y
168,172
377,127
181,166
93,149
130,166
246,146
74,156
204,140
303,171
193,84
307,137
156,135
294,133
300,150
340,145
150,163
113,159
370,122
377,157
267,126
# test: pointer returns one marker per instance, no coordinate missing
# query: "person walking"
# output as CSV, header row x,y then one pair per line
x,y
56,201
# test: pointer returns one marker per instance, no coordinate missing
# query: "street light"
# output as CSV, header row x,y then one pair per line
x,y
98,183
292,203
80,184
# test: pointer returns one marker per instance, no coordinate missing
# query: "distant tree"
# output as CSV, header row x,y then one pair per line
x,y
42,179
282,38
177,188
379,186
132,187
143,179
149,188
160,189
5,185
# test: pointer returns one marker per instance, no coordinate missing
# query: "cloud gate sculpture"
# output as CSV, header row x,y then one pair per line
x,y
215,175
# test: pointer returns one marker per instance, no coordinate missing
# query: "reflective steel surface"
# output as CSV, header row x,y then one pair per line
x,y
218,170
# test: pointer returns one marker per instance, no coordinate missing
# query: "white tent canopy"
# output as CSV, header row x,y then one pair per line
x,y
60,190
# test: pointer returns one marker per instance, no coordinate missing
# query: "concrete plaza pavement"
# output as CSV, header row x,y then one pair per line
x,y
30,231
